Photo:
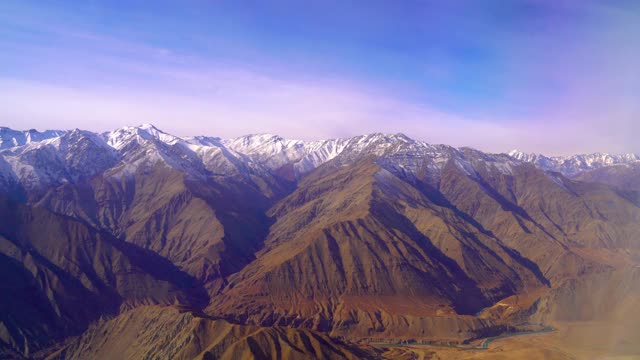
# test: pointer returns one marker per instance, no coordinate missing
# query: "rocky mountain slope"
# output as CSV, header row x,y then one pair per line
x,y
290,245
185,335
61,275
624,176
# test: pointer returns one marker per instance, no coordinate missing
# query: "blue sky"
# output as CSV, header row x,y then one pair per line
x,y
556,77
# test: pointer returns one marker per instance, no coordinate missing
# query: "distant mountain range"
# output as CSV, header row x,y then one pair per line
x,y
577,164
39,159
11,138
228,248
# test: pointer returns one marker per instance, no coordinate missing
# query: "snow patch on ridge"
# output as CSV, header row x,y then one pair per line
x,y
576,164
74,155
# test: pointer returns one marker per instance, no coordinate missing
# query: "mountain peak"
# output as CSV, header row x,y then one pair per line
x,y
253,140
147,126
264,145
123,136
526,157
388,136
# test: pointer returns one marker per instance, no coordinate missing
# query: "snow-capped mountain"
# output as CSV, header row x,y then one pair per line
x,y
275,152
396,152
146,146
11,138
576,164
41,160
69,157
200,156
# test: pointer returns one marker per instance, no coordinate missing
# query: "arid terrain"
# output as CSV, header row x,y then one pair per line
x,y
147,245
573,340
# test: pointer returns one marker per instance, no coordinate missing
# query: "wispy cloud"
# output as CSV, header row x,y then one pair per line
x,y
573,81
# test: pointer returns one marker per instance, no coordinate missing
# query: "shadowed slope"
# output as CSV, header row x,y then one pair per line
x,y
208,227
62,274
553,221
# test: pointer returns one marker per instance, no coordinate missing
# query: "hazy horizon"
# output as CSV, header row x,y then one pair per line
x,y
310,138
538,76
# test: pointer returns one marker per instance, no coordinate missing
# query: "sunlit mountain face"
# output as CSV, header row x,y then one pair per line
x,y
319,180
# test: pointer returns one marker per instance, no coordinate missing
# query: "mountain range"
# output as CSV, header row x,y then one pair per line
x,y
159,246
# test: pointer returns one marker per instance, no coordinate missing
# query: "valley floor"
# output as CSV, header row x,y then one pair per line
x,y
572,340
